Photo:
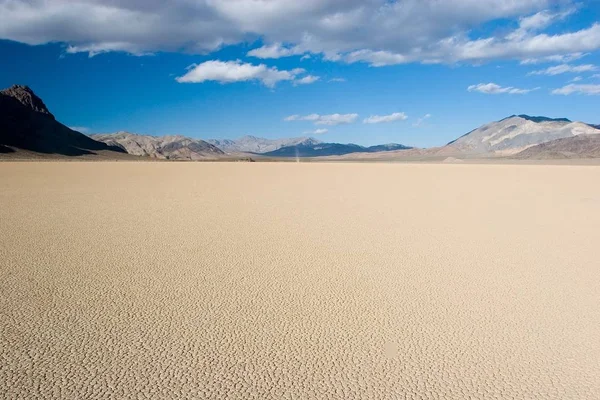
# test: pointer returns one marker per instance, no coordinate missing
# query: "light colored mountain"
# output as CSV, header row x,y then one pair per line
x,y
253,144
518,132
581,146
173,147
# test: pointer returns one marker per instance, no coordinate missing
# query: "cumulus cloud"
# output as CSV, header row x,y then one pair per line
x,y
378,119
421,120
307,80
377,58
536,22
378,32
564,68
275,50
562,59
236,71
579,89
492,88
330,119
319,131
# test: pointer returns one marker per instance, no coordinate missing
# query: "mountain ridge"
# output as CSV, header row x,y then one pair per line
x,y
515,133
167,147
27,124
322,149
257,145
581,146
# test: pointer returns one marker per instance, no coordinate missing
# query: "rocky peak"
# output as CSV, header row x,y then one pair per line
x,y
26,96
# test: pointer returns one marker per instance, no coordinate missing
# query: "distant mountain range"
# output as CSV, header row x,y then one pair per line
x,y
173,147
518,132
253,144
183,148
296,147
26,124
318,149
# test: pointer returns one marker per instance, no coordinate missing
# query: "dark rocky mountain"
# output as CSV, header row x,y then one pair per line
x,y
330,149
27,124
539,118
171,147
581,146
387,147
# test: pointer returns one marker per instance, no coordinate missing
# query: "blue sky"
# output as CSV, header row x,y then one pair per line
x,y
419,73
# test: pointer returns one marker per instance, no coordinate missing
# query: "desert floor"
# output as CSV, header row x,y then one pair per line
x,y
296,281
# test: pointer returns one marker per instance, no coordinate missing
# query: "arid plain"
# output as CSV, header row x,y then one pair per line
x,y
299,280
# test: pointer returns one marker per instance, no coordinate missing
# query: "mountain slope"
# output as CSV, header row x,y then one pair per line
x,y
330,149
253,144
581,146
27,124
387,147
174,147
518,132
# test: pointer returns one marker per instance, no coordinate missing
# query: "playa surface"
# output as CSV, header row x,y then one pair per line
x,y
289,281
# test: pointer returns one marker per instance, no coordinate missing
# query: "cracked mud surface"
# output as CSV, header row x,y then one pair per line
x,y
288,281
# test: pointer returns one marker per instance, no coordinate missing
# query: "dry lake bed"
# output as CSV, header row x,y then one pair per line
x,y
299,281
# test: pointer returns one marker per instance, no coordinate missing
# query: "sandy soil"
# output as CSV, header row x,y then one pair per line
x,y
297,281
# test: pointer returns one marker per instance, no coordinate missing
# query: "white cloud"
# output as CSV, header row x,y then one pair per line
x,y
536,22
564,68
377,58
378,32
421,120
579,89
330,119
319,131
595,76
298,71
378,119
576,79
275,50
236,71
337,80
563,59
307,80
492,88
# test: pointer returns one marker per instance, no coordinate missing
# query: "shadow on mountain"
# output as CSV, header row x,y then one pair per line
x,y
25,123
4,149
319,149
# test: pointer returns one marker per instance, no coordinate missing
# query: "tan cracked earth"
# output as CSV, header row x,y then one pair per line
x,y
299,281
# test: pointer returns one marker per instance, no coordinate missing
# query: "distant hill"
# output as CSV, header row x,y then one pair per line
x,y
296,147
253,144
27,125
174,147
581,146
518,132
318,149
387,147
